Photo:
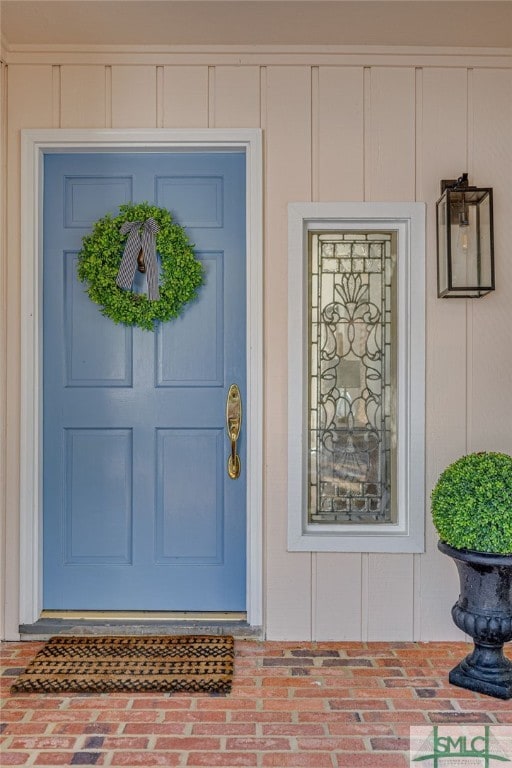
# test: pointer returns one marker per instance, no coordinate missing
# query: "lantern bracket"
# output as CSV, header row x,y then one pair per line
x,y
461,184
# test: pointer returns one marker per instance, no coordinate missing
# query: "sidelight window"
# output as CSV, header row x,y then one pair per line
x,y
352,377
356,377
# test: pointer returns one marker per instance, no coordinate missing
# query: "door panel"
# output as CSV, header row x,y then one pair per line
x,y
98,515
88,364
202,365
139,512
176,511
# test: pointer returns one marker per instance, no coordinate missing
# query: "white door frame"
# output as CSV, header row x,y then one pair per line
x,y
35,144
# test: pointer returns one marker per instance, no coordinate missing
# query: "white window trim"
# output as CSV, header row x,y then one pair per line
x,y
407,534
35,144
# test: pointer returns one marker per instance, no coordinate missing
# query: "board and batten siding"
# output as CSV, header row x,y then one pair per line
x,y
3,333
336,128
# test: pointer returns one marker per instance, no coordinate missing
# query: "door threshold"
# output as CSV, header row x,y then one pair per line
x,y
146,615
138,623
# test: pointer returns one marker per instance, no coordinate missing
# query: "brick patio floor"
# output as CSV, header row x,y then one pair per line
x,y
322,705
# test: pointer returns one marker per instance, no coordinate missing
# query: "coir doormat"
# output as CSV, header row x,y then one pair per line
x,y
87,664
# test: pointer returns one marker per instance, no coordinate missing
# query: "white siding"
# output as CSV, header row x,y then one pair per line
x,y
343,127
133,103
288,154
29,105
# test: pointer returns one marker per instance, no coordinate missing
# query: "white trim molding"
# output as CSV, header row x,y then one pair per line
x,y
35,144
407,533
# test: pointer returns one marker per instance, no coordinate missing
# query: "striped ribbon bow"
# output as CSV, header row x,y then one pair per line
x,y
141,236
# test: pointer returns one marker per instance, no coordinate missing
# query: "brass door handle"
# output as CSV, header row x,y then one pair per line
x,y
233,425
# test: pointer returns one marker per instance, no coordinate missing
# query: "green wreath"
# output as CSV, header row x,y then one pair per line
x,y
100,258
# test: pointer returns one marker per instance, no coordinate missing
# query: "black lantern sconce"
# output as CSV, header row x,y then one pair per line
x,y
465,249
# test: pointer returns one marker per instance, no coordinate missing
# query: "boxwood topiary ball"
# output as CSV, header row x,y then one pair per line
x,y
472,503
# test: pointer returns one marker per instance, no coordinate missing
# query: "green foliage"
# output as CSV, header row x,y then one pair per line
x,y
100,257
472,503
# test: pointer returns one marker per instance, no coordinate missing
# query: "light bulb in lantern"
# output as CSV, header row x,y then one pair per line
x,y
464,236
464,239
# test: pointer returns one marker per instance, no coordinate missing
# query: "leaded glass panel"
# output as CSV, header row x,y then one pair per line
x,y
352,377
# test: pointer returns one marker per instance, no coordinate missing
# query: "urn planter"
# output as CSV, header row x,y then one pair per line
x,y
483,611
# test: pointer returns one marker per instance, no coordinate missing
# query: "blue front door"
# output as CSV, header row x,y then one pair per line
x,y
139,510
